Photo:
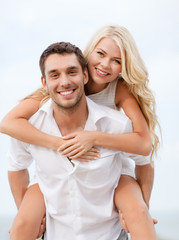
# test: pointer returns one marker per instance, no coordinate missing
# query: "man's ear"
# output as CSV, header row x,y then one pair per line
x,y
44,83
85,76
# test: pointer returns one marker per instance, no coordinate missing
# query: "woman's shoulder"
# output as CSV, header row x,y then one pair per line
x,y
122,91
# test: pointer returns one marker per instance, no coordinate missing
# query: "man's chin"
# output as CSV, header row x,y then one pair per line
x,y
67,106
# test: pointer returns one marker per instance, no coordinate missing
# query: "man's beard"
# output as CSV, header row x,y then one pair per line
x,y
73,106
70,108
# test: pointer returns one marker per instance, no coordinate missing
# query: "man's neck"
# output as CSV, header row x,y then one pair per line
x,y
71,120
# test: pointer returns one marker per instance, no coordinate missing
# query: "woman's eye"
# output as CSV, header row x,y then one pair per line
x,y
100,53
117,61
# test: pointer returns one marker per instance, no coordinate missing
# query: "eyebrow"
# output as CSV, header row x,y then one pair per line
x,y
73,68
51,71
68,69
106,53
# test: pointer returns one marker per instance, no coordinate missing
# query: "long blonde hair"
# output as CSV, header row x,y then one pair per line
x,y
40,94
133,72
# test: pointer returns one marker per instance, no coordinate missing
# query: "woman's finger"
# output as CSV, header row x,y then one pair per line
x,y
66,145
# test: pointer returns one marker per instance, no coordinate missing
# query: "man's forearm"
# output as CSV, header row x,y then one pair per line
x,y
18,181
145,178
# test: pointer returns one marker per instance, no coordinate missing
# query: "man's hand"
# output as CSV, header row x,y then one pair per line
x,y
155,221
122,222
42,227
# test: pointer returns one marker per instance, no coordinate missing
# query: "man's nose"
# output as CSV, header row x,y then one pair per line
x,y
64,80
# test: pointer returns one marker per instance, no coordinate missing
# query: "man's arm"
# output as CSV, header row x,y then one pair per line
x,y
145,178
19,181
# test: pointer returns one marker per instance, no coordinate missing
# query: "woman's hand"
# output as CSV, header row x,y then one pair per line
x,y
77,144
91,154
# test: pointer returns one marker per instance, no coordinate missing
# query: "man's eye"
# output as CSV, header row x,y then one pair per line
x,y
72,72
54,75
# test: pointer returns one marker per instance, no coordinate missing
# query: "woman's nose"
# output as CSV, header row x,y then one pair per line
x,y
105,62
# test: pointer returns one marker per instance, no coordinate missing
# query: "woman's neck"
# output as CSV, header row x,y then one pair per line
x,y
91,87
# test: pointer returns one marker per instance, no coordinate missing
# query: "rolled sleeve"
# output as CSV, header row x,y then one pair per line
x,y
18,157
128,166
130,160
140,160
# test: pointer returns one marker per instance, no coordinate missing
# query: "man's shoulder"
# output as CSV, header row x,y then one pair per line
x,y
107,112
42,113
109,120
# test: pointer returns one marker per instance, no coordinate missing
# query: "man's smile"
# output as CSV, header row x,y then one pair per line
x,y
66,93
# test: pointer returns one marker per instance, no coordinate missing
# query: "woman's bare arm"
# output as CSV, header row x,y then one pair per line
x,y
15,124
140,138
137,142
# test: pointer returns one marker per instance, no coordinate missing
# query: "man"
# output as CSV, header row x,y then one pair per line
x,y
78,195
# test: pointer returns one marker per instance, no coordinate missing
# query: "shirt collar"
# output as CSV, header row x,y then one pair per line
x,y
95,112
47,108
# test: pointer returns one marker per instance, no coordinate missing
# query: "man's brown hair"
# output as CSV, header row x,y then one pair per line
x,y
61,48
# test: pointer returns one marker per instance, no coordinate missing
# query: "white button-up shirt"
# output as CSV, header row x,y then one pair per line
x,y
79,198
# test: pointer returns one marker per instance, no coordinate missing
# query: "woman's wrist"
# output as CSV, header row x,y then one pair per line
x,y
96,138
53,142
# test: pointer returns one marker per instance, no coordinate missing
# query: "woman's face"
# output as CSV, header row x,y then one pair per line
x,y
104,63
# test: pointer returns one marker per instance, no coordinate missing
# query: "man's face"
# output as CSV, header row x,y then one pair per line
x,y
64,79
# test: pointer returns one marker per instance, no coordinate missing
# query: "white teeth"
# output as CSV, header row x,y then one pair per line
x,y
66,93
101,72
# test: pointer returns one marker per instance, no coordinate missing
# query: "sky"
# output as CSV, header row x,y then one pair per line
x,y
28,27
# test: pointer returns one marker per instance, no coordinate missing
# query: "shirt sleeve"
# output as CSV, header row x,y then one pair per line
x,y
18,157
140,160
128,165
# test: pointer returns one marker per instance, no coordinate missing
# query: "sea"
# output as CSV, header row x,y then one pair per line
x,y
167,227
